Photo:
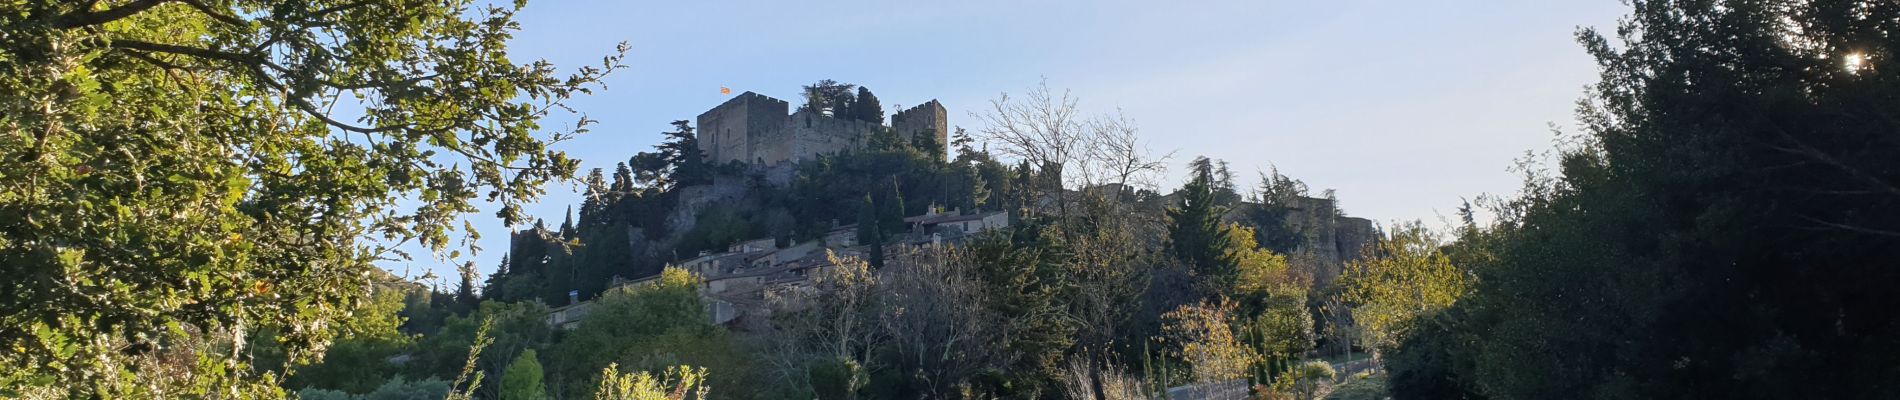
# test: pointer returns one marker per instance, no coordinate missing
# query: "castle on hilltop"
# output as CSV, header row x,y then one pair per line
x,y
757,129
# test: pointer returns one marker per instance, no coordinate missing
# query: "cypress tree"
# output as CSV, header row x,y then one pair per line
x,y
869,231
891,210
866,107
465,290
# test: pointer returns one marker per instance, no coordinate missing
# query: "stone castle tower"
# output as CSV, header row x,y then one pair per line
x,y
756,129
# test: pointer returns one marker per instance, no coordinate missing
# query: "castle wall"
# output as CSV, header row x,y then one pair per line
x,y
928,118
726,132
755,129
772,146
811,134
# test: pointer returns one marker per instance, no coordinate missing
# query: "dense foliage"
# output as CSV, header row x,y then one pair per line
x,y
183,170
182,215
1723,228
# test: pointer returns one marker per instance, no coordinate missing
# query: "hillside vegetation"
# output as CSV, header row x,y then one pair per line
x,y
182,215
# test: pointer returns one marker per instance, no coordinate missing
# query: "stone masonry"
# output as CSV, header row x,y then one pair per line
x,y
757,129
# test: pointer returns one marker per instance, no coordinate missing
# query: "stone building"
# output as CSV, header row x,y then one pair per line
x,y
757,129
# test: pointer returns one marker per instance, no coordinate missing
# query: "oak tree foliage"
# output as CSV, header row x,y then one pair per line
x,y
219,165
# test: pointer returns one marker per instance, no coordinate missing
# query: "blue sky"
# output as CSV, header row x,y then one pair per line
x,y
1404,108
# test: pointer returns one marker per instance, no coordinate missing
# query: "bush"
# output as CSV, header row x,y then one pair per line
x,y
1360,387
398,388
522,381
1424,365
1306,381
836,379
322,394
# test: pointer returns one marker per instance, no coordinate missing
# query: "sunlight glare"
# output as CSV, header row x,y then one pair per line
x,y
1854,62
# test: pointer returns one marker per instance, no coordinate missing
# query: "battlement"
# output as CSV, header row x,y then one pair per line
x,y
928,119
756,129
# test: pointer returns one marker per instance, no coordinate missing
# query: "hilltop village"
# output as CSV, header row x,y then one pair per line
x,y
760,145
212,199
817,236
756,131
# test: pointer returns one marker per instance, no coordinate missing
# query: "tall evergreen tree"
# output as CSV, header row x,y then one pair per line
x,y
1273,213
1726,227
870,230
866,107
567,225
465,298
828,97
961,141
492,287
1196,234
890,209
686,164
593,199
623,178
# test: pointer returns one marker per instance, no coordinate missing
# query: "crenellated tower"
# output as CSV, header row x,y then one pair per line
x,y
928,119
756,129
727,133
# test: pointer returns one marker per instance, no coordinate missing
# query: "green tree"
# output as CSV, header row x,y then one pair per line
x,y
1023,279
398,388
1202,335
465,297
1407,277
173,167
676,161
871,230
1273,213
1271,314
1196,235
829,97
358,361
522,379
1722,227
650,326
866,107
512,328
890,209
678,383
681,149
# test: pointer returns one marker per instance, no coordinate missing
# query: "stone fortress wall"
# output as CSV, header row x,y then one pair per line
x,y
810,133
756,129
929,117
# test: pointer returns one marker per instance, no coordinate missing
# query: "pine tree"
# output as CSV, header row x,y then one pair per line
x,y
1224,188
1197,235
680,150
623,178
1277,197
961,140
595,198
491,289
829,98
